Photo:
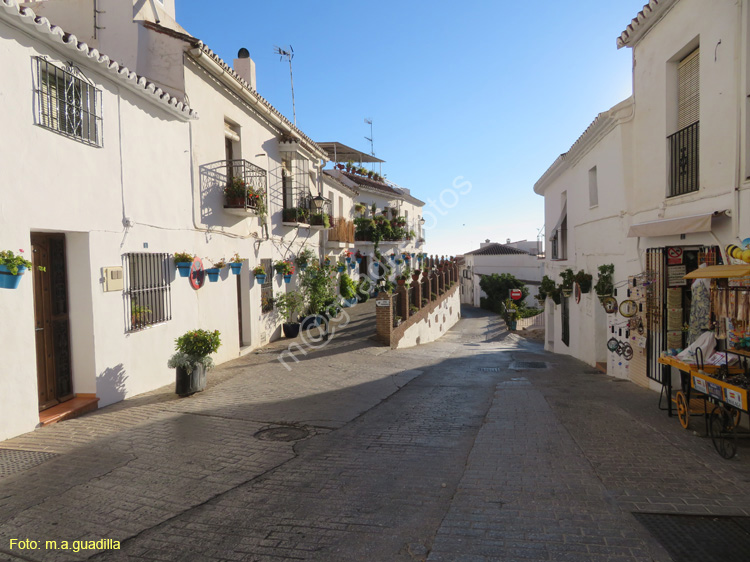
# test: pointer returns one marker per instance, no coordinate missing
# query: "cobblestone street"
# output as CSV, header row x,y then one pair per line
x,y
478,447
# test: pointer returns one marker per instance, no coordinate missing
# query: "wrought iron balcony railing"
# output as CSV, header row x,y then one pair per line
x,y
243,184
683,167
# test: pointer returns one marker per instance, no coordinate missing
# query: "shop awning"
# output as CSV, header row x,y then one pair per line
x,y
719,272
669,227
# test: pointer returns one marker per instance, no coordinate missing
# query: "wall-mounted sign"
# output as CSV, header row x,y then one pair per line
x,y
516,294
674,256
383,302
675,274
197,274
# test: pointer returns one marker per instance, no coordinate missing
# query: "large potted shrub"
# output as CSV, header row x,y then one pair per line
x,y
289,305
605,283
192,360
568,278
347,290
584,281
318,285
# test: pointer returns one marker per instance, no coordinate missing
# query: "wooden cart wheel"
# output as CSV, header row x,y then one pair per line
x,y
683,411
722,430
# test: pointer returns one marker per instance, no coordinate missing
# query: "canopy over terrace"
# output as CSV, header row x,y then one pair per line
x,y
338,152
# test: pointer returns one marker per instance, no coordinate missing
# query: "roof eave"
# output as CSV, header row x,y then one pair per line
x,y
643,21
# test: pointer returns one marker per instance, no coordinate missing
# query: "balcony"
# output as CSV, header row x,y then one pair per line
x,y
242,183
683,167
341,233
304,213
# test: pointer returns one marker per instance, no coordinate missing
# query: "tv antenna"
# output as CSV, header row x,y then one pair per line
x,y
368,121
289,56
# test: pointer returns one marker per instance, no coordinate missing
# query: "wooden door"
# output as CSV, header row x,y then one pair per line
x,y
54,376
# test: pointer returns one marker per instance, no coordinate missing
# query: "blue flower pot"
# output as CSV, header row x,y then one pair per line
x,y
213,274
184,268
260,279
340,268
303,266
236,268
346,303
8,280
288,278
352,265
359,260
348,260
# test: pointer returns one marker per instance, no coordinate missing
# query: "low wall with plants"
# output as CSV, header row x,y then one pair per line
x,y
430,323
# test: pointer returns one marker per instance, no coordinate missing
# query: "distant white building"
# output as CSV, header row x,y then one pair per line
x,y
492,257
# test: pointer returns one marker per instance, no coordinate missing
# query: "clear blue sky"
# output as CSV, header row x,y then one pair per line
x,y
492,91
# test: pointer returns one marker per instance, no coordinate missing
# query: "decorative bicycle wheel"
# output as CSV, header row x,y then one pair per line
x,y
721,428
683,411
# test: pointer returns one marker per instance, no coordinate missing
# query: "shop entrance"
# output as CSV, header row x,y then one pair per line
x,y
54,376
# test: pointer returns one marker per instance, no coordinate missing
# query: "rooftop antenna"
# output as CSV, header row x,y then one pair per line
x,y
289,56
368,121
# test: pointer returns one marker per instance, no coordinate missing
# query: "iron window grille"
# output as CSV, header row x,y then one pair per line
x,y
684,148
147,295
266,289
68,103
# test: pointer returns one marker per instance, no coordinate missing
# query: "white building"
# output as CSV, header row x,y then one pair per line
x,y
492,257
656,185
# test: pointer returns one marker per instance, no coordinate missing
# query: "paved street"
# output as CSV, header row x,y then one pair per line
x,y
478,447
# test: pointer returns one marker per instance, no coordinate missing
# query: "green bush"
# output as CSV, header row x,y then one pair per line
x,y
198,343
347,288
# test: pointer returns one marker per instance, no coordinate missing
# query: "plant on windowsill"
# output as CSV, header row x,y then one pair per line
x,y
235,193
192,360
320,219
397,321
12,268
584,281
138,316
605,283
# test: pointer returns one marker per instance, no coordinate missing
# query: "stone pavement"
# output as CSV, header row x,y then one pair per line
x,y
457,450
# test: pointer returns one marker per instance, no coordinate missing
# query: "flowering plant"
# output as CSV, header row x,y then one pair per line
x,y
183,257
220,263
347,253
285,267
258,270
13,262
194,347
236,258
360,254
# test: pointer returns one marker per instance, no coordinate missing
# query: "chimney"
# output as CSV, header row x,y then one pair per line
x,y
507,240
245,67
485,243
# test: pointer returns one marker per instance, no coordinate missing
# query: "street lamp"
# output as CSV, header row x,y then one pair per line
x,y
318,201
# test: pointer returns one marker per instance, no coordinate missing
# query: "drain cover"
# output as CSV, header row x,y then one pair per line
x,y
490,369
698,538
529,365
13,461
282,434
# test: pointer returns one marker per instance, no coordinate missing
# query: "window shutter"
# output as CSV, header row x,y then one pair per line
x,y
688,97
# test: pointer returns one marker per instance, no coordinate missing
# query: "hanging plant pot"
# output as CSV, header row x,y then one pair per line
x,y
352,265
260,279
566,292
359,260
236,268
348,260
184,268
287,278
8,280
213,274
340,268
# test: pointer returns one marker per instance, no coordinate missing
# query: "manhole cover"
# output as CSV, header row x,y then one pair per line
x,y
529,365
490,369
13,461
282,434
699,538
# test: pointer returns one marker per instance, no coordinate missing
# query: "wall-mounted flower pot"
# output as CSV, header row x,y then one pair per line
x,y
340,268
213,274
359,260
184,268
348,260
288,278
566,292
236,268
8,280
261,279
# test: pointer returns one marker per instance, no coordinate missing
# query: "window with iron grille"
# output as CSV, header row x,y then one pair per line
x,y
148,297
266,289
67,103
684,145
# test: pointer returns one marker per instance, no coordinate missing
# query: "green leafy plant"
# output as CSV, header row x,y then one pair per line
x,y
194,347
285,267
605,283
584,281
546,287
13,261
290,305
305,257
236,188
138,313
347,287
320,219
318,285
220,263
568,277
259,270
183,257
413,309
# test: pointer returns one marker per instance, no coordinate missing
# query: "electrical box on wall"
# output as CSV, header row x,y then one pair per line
x,y
113,280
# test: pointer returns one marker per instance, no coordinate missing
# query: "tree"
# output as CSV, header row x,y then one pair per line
x,y
497,288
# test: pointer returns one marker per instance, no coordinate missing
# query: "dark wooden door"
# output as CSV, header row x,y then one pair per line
x,y
239,308
54,376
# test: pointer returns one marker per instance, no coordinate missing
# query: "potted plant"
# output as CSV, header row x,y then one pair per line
x,y
340,265
304,258
289,306
12,267
349,165
138,315
568,278
213,272
236,263
556,295
235,193
397,320
347,290
546,288
318,285
192,360
605,283
320,219
360,208
285,268
260,274
584,281
184,262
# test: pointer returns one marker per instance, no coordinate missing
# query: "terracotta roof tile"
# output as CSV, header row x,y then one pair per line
x,y
496,250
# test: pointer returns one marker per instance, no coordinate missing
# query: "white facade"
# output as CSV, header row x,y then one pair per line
x,y
624,193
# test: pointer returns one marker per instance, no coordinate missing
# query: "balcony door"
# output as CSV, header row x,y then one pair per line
x,y
53,361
